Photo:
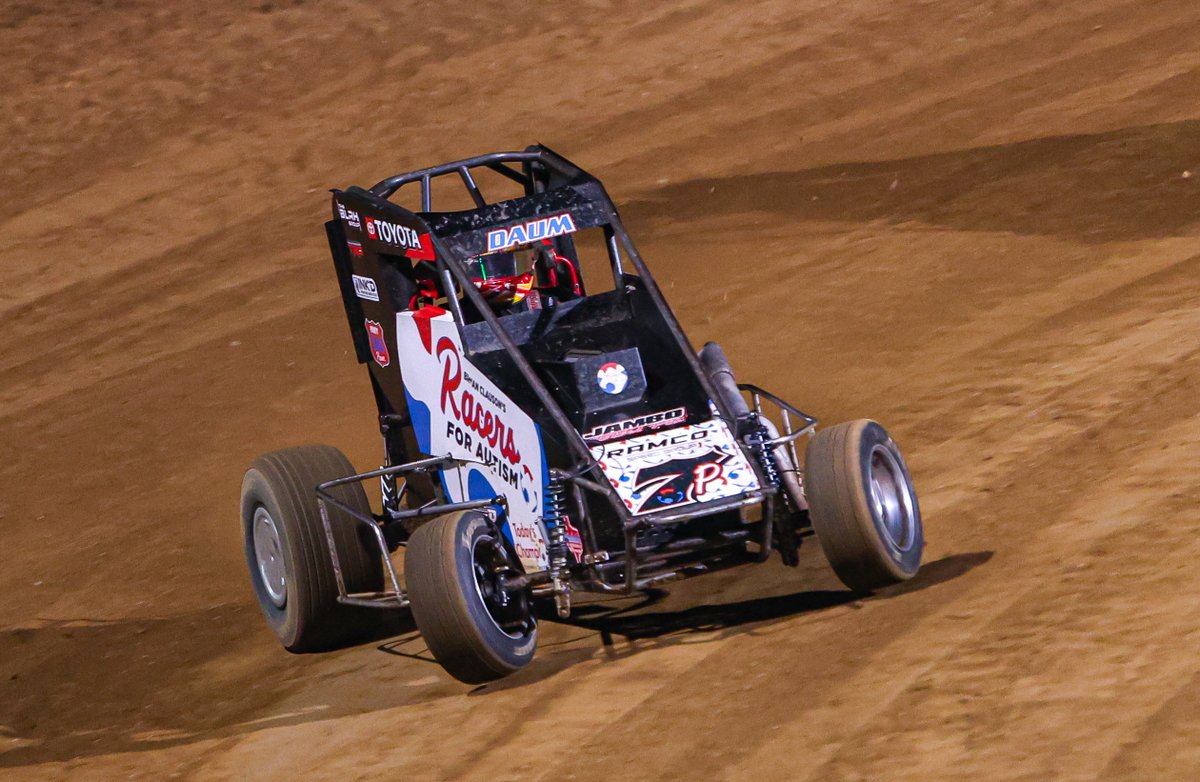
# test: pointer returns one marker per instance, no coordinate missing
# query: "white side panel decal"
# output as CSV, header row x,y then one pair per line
x,y
456,410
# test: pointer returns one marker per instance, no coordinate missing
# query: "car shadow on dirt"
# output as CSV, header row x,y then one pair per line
x,y
635,622
641,623
72,688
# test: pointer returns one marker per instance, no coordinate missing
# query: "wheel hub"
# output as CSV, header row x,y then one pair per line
x,y
891,498
268,552
508,609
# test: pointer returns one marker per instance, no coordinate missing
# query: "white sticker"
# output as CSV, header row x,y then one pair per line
x,y
457,410
612,378
365,288
678,466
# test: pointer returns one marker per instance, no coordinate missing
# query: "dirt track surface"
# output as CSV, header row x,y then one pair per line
x,y
976,222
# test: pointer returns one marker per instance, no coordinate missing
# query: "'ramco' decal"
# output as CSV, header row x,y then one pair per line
x,y
534,230
379,348
365,288
631,426
678,466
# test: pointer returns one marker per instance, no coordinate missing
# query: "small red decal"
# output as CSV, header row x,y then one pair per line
x,y
379,348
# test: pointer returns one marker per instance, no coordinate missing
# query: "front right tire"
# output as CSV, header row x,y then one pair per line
x,y
863,506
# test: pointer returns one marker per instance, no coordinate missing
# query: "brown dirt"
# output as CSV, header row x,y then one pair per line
x,y
973,221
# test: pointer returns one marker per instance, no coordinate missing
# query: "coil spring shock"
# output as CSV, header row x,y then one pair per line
x,y
757,438
783,526
556,544
556,505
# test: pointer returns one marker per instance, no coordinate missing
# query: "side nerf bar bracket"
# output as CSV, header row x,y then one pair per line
x,y
396,597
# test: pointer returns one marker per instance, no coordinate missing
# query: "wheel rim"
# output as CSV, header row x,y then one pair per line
x,y
508,609
268,552
891,498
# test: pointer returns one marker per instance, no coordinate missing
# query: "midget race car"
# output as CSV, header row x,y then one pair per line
x,y
543,434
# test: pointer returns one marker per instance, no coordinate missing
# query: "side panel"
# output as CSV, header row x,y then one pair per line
x,y
376,242
679,466
343,264
457,410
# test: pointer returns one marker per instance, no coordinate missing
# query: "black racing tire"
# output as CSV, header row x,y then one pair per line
x,y
863,506
291,569
448,605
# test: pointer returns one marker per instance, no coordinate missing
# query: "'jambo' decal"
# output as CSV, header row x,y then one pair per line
x,y
631,426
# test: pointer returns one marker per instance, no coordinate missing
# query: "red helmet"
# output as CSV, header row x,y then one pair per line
x,y
499,280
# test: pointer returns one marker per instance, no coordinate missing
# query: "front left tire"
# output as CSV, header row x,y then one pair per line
x,y
454,569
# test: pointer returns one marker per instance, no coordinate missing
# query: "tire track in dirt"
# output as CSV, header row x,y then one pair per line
x,y
1093,106
171,318
867,692
896,664
1140,504
1167,742
1091,369
1009,693
1086,62
866,111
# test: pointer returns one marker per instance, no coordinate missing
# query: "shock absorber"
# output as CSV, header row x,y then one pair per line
x,y
556,544
782,523
757,438
391,496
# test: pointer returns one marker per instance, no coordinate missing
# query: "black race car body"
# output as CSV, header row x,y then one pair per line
x,y
547,428
587,421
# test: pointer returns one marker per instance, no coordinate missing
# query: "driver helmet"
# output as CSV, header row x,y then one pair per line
x,y
498,279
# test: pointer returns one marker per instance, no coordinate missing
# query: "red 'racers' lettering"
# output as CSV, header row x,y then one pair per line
x,y
464,407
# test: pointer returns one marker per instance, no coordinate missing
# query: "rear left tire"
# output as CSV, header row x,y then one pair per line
x,y
287,550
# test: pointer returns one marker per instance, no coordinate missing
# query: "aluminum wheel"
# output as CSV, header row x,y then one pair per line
x,y
268,552
891,499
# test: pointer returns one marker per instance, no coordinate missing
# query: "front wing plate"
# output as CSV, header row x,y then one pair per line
x,y
689,464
